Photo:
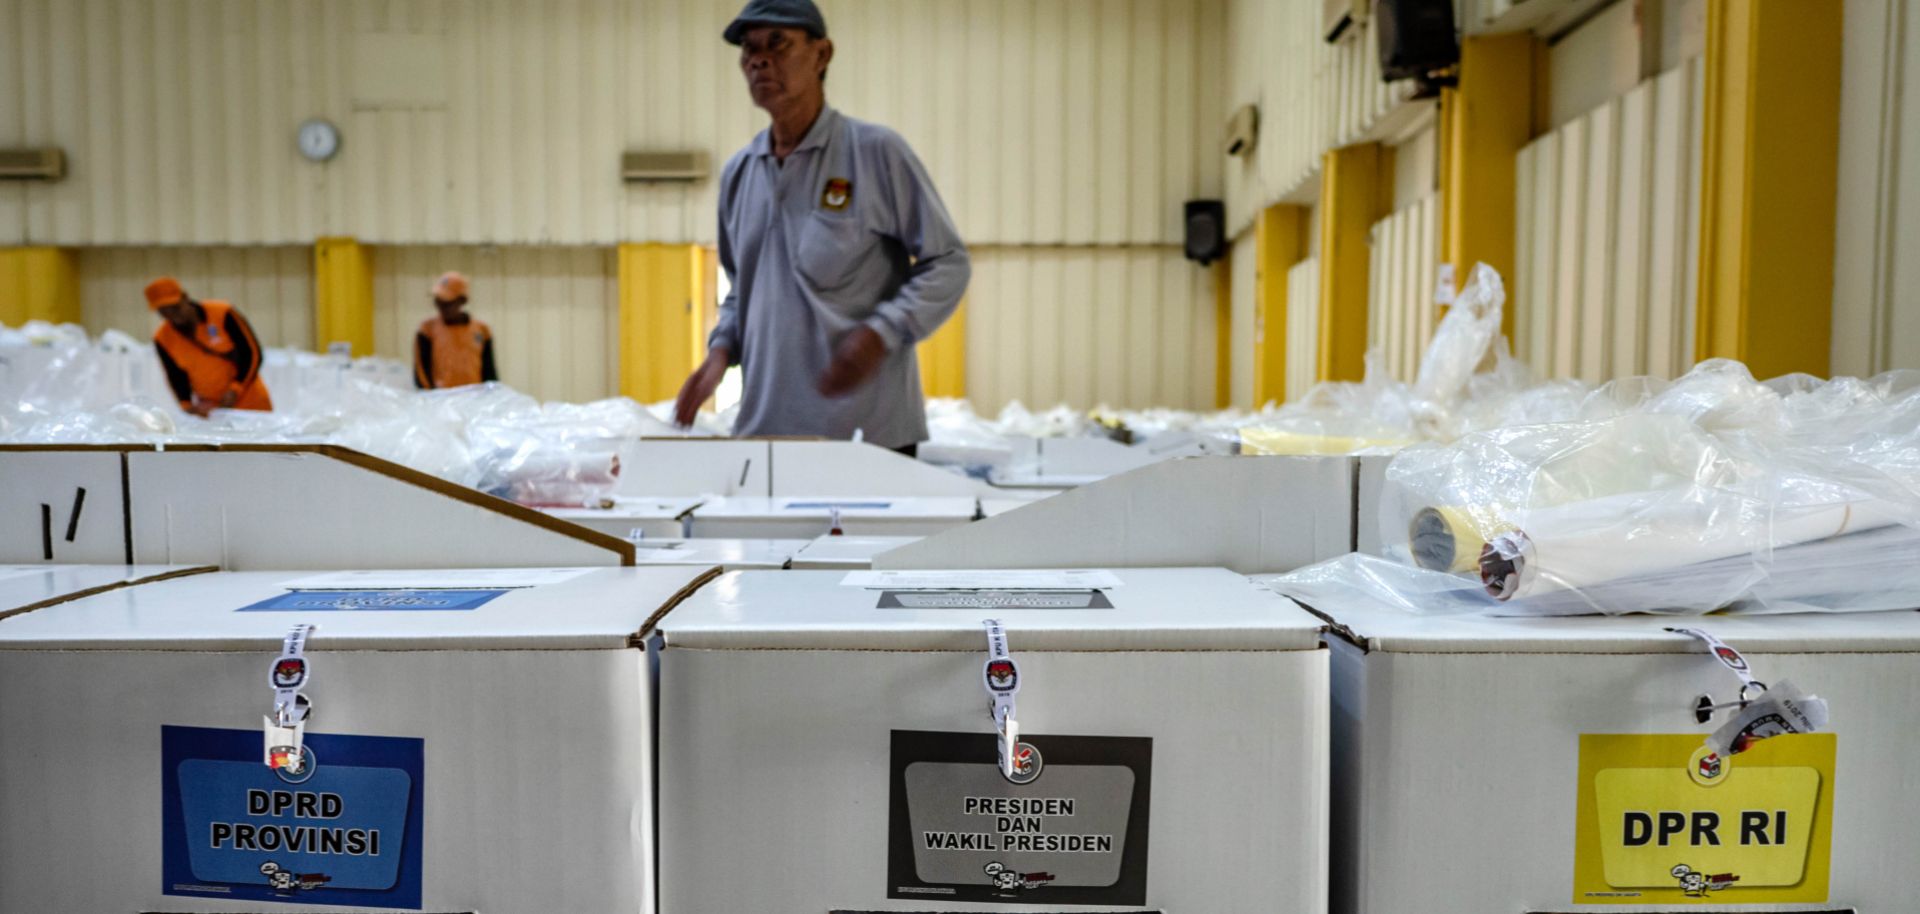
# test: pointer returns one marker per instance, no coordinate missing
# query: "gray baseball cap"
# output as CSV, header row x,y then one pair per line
x,y
800,14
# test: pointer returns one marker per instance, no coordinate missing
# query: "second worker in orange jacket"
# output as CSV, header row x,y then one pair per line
x,y
452,349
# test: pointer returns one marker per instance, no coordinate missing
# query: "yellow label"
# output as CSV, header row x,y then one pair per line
x,y
1662,820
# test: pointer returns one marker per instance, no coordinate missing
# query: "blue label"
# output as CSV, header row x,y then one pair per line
x,y
842,505
348,832
373,601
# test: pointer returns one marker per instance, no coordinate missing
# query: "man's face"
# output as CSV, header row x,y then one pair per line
x,y
450,309
782,65
180,315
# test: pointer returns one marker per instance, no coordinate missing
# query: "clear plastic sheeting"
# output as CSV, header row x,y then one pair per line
x,y
1467,381
1707,492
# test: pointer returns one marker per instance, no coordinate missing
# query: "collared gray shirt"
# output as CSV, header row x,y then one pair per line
x,y
847,231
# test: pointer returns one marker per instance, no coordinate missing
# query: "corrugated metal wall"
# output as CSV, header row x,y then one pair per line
x,y
1401,312
1313,96
1876,282
555,311
502,121
1608,210
1303,326
272,286
1244,331
1126,326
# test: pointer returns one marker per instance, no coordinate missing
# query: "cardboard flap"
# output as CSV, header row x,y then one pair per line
x,y
480,609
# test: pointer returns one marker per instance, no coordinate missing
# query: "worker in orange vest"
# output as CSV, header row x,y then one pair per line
x,y
211,357
453,349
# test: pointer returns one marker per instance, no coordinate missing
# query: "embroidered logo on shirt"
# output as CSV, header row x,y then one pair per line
x,y
838,193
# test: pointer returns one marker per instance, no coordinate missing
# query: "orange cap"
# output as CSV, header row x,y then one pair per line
x,y
163,292
450,286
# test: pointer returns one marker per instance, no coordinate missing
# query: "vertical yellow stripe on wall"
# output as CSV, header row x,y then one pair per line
x,y
1485,122
38,283
1279,241
1223,331
1356,190
342,295
943,358
1768,181
662,338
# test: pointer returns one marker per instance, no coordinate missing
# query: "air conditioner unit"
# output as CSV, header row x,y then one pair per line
x,y
44,164
1338,16
663,166
1243,130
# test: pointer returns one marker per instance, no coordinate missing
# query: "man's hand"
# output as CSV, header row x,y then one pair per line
x,y
854,361
200,408
228,399
700,385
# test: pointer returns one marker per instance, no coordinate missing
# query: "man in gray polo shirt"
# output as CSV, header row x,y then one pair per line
x,y
841,255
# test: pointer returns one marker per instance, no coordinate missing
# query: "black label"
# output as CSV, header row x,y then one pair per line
x,y
1070,828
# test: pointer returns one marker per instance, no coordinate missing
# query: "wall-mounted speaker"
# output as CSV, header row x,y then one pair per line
x,y
1206,230
1417,38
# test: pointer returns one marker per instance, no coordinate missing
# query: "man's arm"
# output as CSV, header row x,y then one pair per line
x,y
245,354
176,378
487,371
422,362
726,326
940,271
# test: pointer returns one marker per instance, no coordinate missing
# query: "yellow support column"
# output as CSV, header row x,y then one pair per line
x,y
663,290
1279,241
943,358
38,283
1769,172
342,295
1223,331
1485,122
1356,189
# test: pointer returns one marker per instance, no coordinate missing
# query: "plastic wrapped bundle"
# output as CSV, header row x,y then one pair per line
x,y
1709,491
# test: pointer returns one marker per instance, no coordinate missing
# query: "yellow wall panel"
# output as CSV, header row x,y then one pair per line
x,y
943,358
662,331
38,284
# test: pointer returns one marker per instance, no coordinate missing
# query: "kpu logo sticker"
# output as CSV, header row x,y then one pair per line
x,y
346,830
837,194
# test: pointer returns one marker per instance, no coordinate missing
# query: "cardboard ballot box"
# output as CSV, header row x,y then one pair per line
x,y
729,554
826,744
478,741
648,517
847,553
1557,764
807,516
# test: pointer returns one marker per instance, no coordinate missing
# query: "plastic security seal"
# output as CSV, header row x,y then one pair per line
x,y
1763,711
286,727
1002,679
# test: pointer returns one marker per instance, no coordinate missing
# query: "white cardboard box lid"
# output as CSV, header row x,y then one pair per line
x,y
715,551
1385,629
640,508
878,506
1154,609
850,548
28,585
600,608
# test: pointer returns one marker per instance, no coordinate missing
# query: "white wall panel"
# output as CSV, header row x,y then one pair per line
x,y
1400,309
1876,283
502,121
272,286
554,311
1245,264
1303,326
1608,216
1313,96
1126,326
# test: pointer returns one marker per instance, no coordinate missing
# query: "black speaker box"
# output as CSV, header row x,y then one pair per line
x,y
1416,37
1206,230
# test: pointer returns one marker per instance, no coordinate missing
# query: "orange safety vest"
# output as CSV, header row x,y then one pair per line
x,y
206,357
455,352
